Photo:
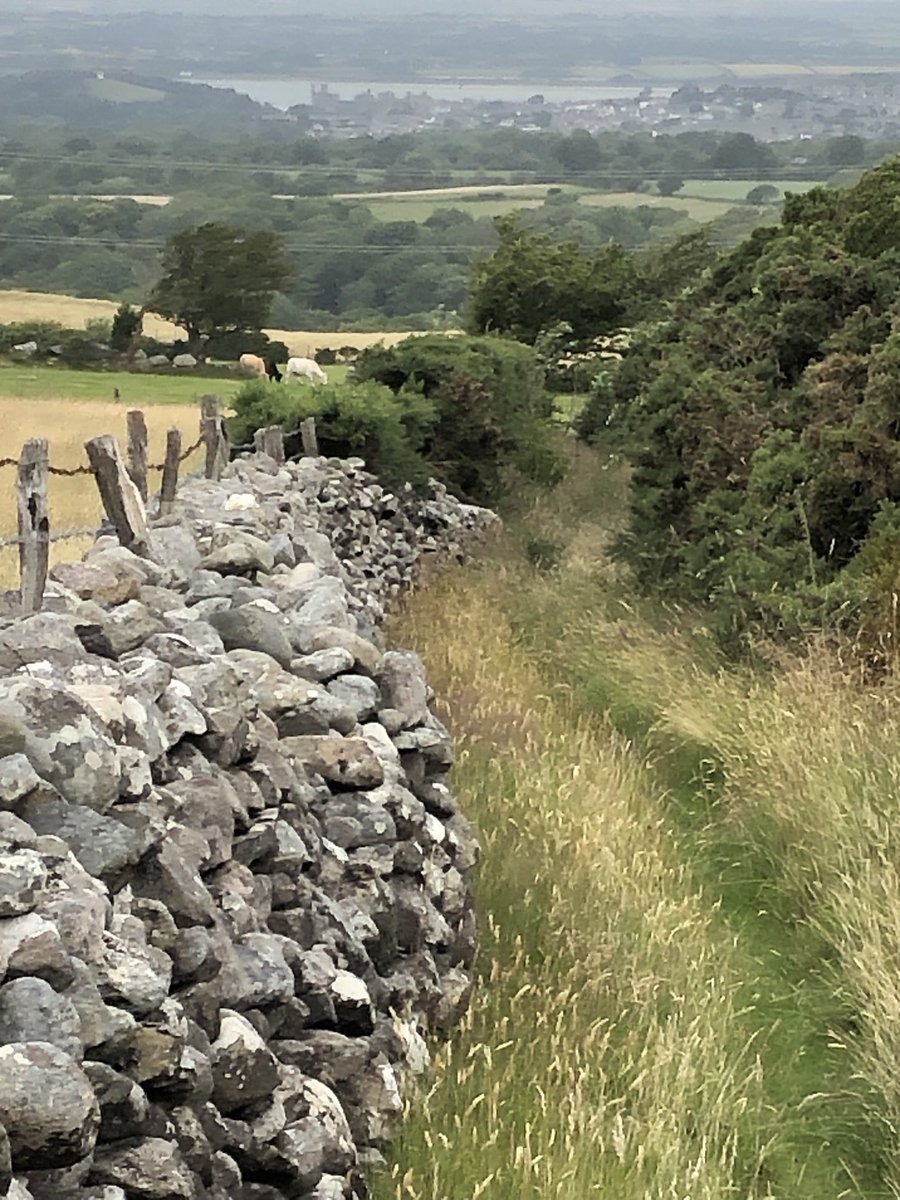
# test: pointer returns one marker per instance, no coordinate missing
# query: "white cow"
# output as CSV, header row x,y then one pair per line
x,y
305,368
252,364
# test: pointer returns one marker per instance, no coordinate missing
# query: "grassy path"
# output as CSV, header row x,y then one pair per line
x,y
687,963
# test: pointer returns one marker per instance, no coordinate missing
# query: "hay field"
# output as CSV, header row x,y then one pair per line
x,y
697,208
74,311
735,190
74,502
421,209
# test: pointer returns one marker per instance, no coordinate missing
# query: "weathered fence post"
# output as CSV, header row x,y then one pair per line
x,y
120,497
212,428
270,441
171,464
308,437
137,450
34,524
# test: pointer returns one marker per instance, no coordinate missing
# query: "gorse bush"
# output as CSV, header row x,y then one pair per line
x,y
762,419
491,411
365,420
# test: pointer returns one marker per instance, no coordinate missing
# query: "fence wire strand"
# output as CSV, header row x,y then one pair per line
x,y
69,472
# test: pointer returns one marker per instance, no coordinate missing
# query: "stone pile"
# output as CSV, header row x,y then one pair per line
x,y
234,883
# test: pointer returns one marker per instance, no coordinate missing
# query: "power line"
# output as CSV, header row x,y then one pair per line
x,y
548,176
291,247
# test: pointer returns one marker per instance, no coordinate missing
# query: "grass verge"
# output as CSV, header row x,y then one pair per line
x,y
689,897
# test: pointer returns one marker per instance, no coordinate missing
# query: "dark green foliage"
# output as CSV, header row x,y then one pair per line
x,y
491,410
532,282
219,279
762,418
366,420
230,346
126,327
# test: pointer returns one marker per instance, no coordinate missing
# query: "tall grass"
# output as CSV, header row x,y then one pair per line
x,y
604,1054
689,898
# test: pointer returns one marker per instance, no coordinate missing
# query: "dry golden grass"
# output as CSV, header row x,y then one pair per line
x,y
73,312
604,1054
74,502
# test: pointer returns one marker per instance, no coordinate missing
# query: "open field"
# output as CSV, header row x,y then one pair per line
x,y
23,383
737,189
696,208
68,423
421,210
527,190
74,311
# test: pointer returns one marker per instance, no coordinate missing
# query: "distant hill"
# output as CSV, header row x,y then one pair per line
x,y
106,99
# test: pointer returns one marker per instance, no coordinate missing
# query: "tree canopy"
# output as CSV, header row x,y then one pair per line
x,y
219,279
531,282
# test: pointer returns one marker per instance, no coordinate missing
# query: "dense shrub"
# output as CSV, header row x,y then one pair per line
x,y
365,420
228,347
491,409
762,421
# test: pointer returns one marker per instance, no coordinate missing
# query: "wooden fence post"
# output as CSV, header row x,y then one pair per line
x,y
34,524
120,497
308,437
170,472
270,441
137,450
212,428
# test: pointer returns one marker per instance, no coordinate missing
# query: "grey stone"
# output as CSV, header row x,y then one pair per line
x,y
47,1106
402,678
133,976
64,740
146,1169
23,878
44,637
130,625
324,664
124,1107
266,977
348,762
103,845
244,1069
173,544
90,581
239,558
351,823
31,1011
251,628
358,692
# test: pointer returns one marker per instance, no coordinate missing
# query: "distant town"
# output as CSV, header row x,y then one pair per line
x,y
867,106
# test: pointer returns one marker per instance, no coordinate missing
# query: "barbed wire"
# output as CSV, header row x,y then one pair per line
x,y
69,472
64,535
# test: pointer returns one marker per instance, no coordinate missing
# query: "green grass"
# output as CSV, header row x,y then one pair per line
x,y
701,843
57,382
696,209
420,210
737,189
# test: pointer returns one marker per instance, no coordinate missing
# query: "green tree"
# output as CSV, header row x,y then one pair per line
x,y
532,282
219,279
763,193
669,184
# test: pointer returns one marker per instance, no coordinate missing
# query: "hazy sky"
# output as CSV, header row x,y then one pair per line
x,y
546,8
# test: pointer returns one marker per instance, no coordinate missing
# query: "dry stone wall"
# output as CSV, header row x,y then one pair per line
x,y
234,883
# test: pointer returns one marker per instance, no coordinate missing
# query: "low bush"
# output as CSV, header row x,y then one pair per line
x,y
492,413
365,420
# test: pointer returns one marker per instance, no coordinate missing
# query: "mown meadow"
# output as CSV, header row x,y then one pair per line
x,y
688,895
